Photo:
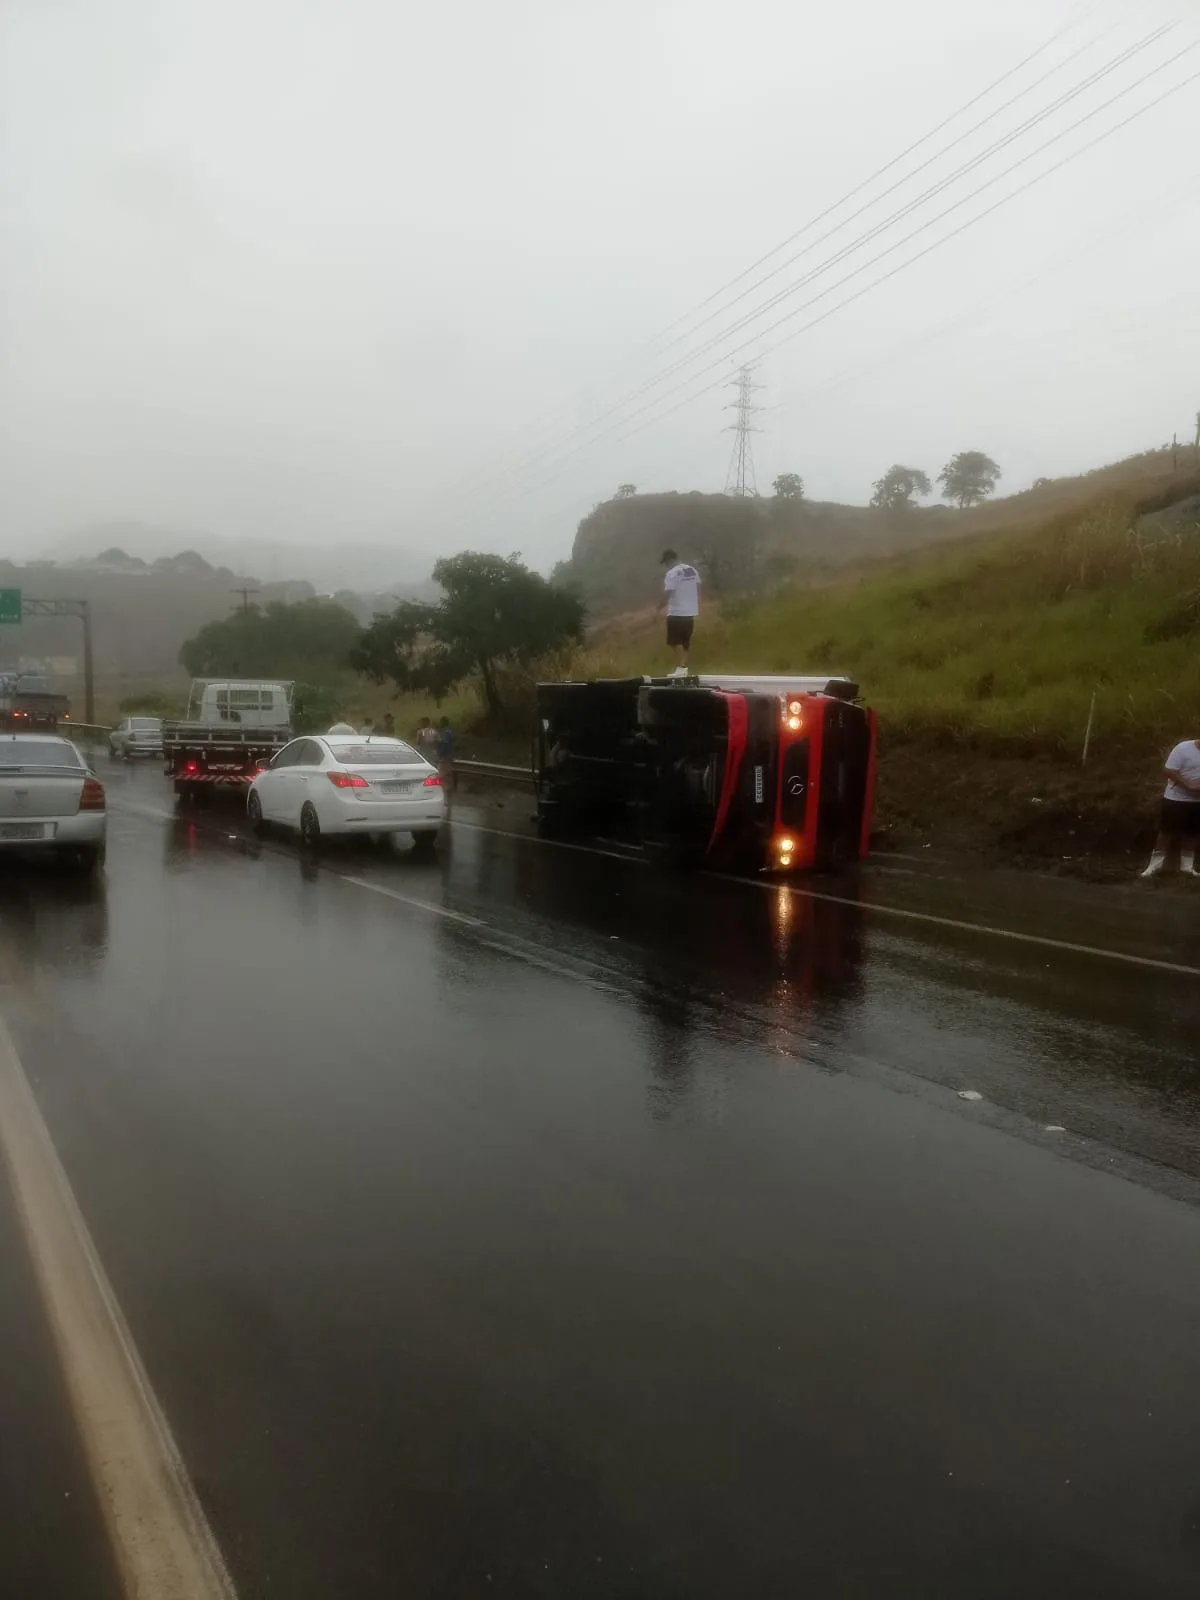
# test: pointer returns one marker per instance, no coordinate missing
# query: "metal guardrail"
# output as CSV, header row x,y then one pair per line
x,y
494,772
99,729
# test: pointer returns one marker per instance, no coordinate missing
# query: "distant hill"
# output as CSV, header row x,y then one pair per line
x,y
614,559
337,565
143,610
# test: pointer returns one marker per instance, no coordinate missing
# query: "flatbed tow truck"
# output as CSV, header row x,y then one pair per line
x,y
746,774
233,728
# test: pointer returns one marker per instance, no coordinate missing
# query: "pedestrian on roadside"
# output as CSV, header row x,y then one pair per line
x,y
447,746
1179,823
681,601
427,740
389,724
368,728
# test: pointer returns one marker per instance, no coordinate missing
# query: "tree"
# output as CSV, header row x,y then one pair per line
x,y
789,486
625,491
494,612
310,639
968,478
896,489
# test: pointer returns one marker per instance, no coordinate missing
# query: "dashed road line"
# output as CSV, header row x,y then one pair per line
x,y
164,1547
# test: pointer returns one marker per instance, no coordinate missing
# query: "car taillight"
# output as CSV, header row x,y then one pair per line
x,y
347,780
433,781
92,798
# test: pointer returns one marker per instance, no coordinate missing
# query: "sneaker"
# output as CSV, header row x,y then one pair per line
x,y
680,672
1154,869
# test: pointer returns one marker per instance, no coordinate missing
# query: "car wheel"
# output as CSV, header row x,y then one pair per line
x,y
90,857
254,812
310,826
113,752
424,845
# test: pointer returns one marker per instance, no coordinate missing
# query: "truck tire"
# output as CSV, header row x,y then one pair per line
x,y
185,793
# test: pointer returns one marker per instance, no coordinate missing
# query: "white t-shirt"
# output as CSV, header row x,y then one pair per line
x,y
682,583
1185,758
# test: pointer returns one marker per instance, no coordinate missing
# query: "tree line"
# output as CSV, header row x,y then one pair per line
x,y
967,479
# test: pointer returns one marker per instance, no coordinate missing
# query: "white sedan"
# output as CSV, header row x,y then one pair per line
x,y
339,783
136,736
50,800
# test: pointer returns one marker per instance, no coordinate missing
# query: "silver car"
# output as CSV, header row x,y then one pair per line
x,y
50,800
136,736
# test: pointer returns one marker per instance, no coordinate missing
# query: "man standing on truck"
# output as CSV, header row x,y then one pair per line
x,y
681,600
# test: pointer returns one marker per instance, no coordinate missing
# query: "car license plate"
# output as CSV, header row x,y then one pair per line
x,y
396,788
22,830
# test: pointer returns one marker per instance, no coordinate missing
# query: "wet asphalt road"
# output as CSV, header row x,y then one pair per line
x,y
529,1224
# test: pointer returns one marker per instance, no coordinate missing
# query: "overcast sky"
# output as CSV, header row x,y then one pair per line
x,y
375,270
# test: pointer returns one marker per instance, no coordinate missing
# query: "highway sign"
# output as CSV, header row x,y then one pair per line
x,y
10,605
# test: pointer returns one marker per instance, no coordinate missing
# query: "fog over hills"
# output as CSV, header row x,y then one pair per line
x,y
357,565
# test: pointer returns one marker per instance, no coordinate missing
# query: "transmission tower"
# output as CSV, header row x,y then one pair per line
x,y
739,480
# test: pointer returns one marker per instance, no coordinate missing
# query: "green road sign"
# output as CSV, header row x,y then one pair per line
x,y
10,605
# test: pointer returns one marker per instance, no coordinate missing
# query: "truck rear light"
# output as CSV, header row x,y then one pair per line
x,y
191,766
433,781
92,798
347,780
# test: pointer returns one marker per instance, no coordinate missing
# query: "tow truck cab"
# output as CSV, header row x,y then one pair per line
x,y
745,774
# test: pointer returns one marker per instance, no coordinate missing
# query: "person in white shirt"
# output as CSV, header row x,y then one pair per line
x,y
681,598
1180,820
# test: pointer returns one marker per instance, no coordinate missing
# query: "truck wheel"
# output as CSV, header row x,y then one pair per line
x,y
185,793
310,827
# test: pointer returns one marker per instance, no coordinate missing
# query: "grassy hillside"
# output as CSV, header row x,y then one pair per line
x,y
982,658
617,546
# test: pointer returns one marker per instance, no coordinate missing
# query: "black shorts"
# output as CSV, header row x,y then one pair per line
x,y
679,630
1181,816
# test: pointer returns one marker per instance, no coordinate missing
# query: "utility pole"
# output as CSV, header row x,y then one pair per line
x,y
245,593
739,480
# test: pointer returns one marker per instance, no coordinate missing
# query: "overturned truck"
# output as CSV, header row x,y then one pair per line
x,y
745,774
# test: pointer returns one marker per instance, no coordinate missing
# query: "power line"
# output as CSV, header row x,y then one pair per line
x,y
749,317
908,238
909,150
937,244
929,161
740,478
815,221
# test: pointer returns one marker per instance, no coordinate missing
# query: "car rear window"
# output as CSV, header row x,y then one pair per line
x,y
379,753
145,722
20,752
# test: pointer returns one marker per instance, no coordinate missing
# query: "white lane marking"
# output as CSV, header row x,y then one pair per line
x,y
981,927
164,1547
411,900
556,844
928,917
1180,969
